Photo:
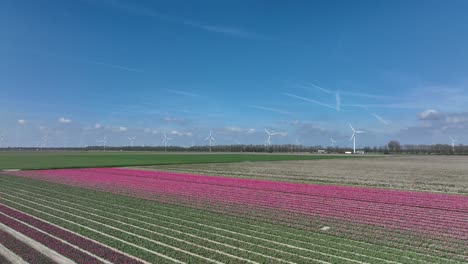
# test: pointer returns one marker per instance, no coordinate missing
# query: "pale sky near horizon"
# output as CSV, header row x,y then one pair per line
x,y
77,71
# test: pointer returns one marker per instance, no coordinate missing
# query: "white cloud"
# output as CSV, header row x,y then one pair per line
x,y
456,119
64,120
123,129
170,119
240,130
22,121
430,114
179,133
250,131
97,126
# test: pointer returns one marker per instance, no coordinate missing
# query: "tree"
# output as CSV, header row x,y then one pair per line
x,y
394,146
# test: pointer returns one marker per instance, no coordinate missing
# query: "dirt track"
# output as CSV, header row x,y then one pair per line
x,y
448,174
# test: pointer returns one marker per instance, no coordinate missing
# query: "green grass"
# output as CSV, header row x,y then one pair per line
x,y
172,225
54,160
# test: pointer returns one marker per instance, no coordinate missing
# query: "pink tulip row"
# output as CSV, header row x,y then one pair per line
x,y
50,242
22,250
86,244
421,199
442,215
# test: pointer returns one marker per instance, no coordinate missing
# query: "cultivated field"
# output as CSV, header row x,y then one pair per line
x,y
447,174
81,159
135,215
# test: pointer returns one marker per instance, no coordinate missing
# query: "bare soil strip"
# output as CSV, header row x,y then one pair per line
x,y
445,174
10,256
51,254
22,250
90,247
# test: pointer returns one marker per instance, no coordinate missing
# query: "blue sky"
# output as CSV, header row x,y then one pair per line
x,y
76,71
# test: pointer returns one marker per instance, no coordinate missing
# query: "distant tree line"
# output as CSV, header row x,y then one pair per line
x,y
393,147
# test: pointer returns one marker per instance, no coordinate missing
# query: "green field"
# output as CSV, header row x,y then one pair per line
x,y
58,159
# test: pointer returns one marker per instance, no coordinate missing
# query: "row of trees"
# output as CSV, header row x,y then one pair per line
x,y
393,147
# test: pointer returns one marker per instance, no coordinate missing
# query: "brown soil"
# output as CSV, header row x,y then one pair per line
x,y
448,174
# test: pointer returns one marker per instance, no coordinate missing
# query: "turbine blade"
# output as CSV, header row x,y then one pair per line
x,y
352,128
352,136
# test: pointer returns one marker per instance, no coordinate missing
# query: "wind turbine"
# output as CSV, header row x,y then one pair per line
x,y
132,139
1,140
269,136
333,142
298,142
45,139
353,137
453,144
210,139
165,140
103,142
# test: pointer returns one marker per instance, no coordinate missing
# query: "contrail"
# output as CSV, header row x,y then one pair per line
x,y
84,60
366,95
182,93
355,94
338,100
143,11
310,100
271,109
107,64
318,87
380,119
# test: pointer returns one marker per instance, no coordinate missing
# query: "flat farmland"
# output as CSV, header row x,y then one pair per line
x,y
446,174
88,159
189,213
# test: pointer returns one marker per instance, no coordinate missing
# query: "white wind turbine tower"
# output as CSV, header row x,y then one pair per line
x,y
103,142
132,140
333,142
453,144
210,139
269,136
353,137
45,139
1,140
165,140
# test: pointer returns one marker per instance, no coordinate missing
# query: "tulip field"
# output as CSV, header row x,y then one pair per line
x,y
117,215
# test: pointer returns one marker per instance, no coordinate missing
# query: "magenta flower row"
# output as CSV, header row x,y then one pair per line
x,y
86,244
50,242
439,214
23,250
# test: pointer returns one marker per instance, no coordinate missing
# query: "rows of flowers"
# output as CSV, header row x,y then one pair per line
x,y
22,250
86,244
50,242
440,215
